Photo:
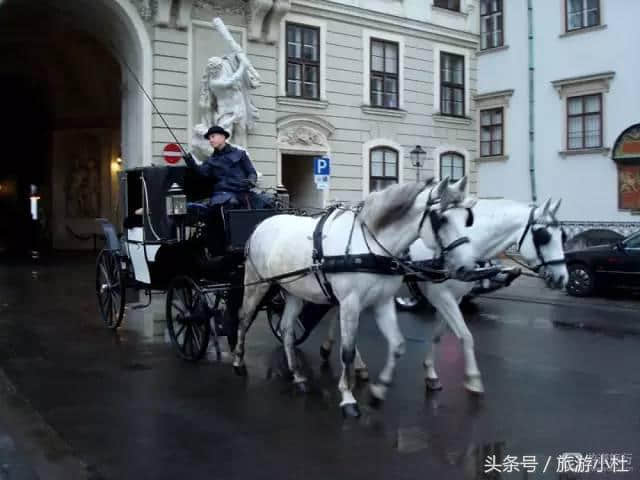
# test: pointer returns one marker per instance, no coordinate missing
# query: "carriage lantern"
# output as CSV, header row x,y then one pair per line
x,y
177,207
176,201
417,159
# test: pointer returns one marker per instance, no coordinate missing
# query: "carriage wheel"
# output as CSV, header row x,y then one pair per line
x,y
275,308
412,302
110,288
188,318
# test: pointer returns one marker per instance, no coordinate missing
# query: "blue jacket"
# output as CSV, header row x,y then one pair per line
x,y
228,168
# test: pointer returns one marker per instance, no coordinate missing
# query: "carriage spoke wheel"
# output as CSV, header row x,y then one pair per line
x,y
275,309
110,288
413,301
188,318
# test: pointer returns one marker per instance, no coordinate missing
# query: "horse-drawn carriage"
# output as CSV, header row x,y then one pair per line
x,y
167,245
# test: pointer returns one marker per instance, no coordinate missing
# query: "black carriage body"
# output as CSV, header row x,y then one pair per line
x,y
146,189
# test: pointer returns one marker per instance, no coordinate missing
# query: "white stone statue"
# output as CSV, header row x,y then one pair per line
x,y
224,96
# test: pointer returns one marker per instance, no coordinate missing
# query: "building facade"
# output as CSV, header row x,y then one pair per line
x,y
558,108
363,82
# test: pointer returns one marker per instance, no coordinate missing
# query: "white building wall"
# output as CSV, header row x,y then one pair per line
x,y
586,182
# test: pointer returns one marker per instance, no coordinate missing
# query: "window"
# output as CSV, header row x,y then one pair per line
x,y
448,4
491,132
452,166
303,61
451,84
582,14
633,241
383,168
491,24
584,122
384,74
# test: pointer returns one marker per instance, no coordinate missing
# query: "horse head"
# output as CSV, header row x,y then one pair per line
x,y
442,228
542,244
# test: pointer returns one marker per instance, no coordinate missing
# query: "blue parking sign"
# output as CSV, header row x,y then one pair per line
x,y
322,165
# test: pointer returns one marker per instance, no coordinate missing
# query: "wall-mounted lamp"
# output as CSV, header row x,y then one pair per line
x,y
418,156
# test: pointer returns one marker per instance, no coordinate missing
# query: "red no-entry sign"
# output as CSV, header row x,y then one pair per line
x,y
172,153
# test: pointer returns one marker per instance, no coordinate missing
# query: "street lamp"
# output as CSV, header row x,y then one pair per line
x,y
418,156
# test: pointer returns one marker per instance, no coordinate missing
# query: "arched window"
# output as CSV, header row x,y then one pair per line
x,y
383,168
451,165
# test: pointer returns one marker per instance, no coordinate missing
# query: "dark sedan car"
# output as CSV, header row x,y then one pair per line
x,y
605,266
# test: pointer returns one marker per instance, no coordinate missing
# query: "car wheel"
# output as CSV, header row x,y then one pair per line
x,y
581,282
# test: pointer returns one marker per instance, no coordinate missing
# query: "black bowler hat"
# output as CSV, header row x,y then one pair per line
x,y
216,129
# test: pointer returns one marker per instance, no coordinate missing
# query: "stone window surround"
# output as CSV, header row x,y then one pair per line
x,y
366,152
466,53
578,86
487,101
367,35
466,7
282,59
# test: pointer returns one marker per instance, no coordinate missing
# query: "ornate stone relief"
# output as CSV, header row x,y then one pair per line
x,y
222,7
146,8
302,136
305,133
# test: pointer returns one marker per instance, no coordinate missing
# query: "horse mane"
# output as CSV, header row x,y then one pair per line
x,y
384,207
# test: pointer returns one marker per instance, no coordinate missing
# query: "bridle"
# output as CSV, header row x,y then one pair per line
x,y
437,220
541,236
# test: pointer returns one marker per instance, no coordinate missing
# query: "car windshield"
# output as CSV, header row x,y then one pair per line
x,y
632,241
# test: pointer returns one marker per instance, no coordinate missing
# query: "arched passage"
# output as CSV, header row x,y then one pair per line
x,y
71,108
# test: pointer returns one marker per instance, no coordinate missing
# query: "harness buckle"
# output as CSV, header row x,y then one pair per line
x,y
394,265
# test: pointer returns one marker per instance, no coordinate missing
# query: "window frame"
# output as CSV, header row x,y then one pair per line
x,y
384,149
584,115
583,11
302,62
459,9
455,154
384,74
490,126
499,12
461,86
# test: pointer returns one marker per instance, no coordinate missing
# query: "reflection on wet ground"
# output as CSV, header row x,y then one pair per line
x,y
127,404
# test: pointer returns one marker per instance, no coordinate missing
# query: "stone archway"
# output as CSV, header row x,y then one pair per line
x,y
74,109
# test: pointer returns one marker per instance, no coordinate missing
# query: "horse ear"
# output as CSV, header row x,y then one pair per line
x,y
439,189
555,207
461,184
544,209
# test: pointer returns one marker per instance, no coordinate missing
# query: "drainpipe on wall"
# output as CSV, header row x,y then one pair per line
x,y
532,162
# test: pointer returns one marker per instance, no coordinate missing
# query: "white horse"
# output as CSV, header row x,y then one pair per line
x,y
387,224
498,224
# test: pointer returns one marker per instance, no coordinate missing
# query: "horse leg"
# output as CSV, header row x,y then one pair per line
x,y
253,295
362,372
349,319
292,309
447,306
431,380
327,345
387,321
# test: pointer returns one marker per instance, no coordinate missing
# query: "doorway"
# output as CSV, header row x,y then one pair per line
x,y
297,177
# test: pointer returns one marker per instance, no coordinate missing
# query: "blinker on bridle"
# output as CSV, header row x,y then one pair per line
x,y
541,237
437,220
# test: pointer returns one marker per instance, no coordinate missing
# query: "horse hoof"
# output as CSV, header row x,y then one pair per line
x,y
350,410
433,384
362,374
240,370
325,353
473,384
302,388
